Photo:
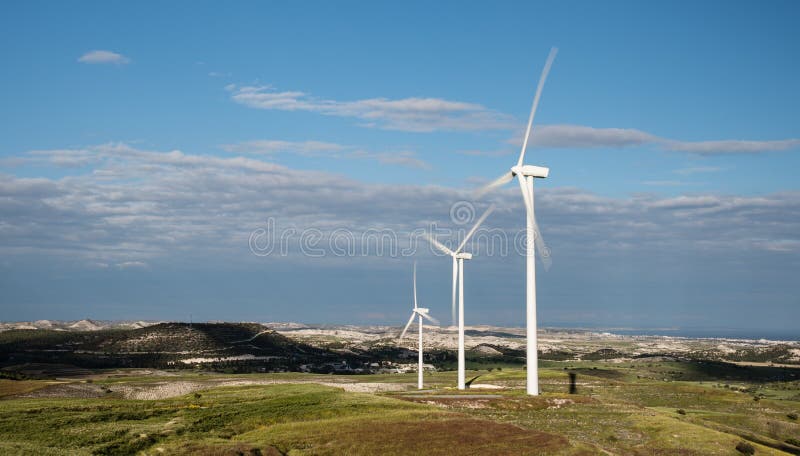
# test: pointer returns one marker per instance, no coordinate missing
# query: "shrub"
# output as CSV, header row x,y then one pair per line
x,y
792,416
794,442
745,448
681,412
197,395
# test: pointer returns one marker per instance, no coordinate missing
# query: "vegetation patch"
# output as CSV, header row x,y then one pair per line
x,y
620,408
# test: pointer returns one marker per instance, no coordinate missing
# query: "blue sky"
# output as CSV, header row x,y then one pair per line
x,y
142,143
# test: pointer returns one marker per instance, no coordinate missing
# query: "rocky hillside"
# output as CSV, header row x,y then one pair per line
x,y
159,345
76,325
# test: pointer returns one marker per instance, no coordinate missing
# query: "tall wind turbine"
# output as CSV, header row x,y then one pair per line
x,y
525,175
458,280
421,313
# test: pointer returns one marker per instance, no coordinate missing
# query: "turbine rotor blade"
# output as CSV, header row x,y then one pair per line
x,y
438,244
426,316
542,79
526,196
502,180
541,247
475,227
410,320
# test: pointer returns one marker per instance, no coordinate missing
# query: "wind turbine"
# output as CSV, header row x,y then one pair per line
x,y
421,313
458,279
525,175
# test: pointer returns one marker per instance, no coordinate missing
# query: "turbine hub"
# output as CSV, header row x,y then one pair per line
x,y
463,256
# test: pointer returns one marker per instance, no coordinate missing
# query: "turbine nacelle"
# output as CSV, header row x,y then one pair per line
x,y
531,170
458,278
420,312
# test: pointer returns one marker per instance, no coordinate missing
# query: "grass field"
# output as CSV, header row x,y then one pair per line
x,y
624,409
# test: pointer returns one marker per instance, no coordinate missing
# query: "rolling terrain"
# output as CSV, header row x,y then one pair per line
x,y
617,408
279,347
247,388
247,346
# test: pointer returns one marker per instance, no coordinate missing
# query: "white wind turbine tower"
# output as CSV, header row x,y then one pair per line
x,y
525,175
458,280
421,313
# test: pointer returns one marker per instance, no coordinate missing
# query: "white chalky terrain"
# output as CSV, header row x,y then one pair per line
x,y
481,340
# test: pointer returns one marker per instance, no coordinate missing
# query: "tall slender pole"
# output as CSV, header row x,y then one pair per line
x,y
461,357
419,372
530,301
455,279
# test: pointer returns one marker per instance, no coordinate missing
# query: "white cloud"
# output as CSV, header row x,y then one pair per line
x,y
730,146
327,149
583,137
402,158
137,206
435,114
698,170
577,136
265,146
131,264
407,114
778,245
101,56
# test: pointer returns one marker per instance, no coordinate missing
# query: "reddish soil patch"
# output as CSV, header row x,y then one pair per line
x,y
449,436
434,436
471,436
236,450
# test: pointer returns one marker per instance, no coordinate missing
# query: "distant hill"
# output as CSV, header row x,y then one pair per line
x,y
75,325
248,347
159,345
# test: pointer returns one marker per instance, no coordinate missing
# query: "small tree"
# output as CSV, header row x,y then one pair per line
x,y
745,448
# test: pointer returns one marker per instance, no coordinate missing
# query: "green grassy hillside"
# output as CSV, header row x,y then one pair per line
x,y
632,408
277,419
